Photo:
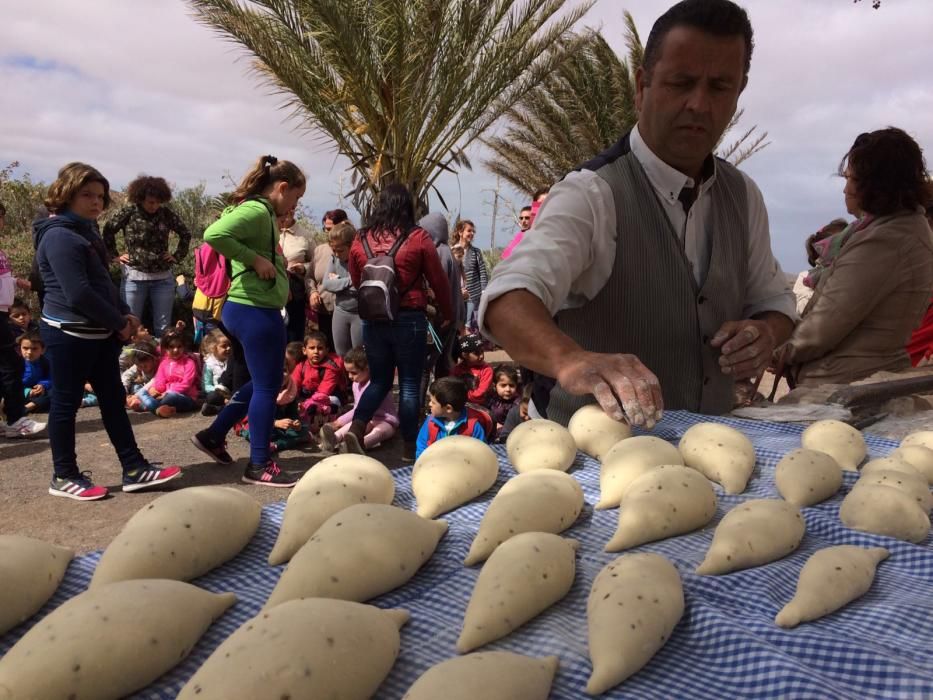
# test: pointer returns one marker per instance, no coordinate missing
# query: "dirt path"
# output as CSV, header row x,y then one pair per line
x,y
26,467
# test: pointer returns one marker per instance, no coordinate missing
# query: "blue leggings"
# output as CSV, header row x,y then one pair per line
x,y
261,332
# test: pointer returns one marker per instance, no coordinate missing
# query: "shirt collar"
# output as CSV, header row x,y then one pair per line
x,y
666,180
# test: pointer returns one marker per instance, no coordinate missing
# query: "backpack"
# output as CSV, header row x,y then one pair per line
x,y
210,272
474,416
378,293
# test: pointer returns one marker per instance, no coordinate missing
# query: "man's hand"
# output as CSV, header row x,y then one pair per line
x,y
623,386
746,347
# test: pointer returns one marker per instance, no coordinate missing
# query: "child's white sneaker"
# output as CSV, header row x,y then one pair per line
x,y
24,428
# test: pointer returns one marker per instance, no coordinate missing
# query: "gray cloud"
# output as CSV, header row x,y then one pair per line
x,y
140,86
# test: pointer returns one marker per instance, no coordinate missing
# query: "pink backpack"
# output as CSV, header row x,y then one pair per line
x,y
210,272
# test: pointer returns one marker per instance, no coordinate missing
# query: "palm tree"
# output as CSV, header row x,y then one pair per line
x,y
579,111
400,87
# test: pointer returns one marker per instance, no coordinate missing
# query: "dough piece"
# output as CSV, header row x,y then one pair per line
x,y
594,432
524,577
541,444
917,456
891,464
359,553
490,675
634,605
753,533
806,477
181,535
327,488
884,510
542,500
627,461
451,472
31,571
670,500
912,484
831,578
311,648
111,641
839,440
921,437
722,454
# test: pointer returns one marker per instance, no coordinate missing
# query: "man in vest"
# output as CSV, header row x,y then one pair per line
x,y
655,256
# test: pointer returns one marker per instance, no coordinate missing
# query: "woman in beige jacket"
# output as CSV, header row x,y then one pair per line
x,y
867,303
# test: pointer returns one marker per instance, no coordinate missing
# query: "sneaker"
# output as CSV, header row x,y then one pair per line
x,y
328,438
268,474
165,411
24,428
217,451
78,488
146,477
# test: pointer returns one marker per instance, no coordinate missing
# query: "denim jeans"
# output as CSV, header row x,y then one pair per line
x,y
391,345
160,293
181,402
73,362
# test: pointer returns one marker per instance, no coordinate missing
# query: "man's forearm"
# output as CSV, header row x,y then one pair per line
x,y
521,324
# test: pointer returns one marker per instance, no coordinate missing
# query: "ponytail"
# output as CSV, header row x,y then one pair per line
x,y
267,171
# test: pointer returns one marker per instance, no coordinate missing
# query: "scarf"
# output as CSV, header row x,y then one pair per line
x,y
829,248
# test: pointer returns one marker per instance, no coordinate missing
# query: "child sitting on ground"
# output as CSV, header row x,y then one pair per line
x,y
21,318
37,376
175,386
288,432
127,358
138,376
505,395
380,428
320,380
518,414
473,369
215,351
450,415
294,353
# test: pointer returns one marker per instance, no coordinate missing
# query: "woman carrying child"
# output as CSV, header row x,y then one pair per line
x,y
247,235
84,324
175,386
384,422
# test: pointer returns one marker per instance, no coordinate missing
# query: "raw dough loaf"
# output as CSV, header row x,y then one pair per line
x,y
490,675
451,472
884,510
30,571
627,461
754,533
670,500
541,444
839,440
806,477
594,432
720,453
327,488
542,500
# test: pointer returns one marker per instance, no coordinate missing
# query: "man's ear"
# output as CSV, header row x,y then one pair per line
x,y
642,80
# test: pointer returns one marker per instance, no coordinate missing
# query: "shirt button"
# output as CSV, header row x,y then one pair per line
x,y
701,299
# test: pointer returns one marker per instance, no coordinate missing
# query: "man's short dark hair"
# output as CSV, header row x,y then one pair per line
x,y
524,209
721,18
450,391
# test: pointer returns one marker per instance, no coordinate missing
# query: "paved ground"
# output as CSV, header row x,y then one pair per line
x,y
25,470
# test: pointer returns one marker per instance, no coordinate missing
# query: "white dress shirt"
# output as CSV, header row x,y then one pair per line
x,y
569,254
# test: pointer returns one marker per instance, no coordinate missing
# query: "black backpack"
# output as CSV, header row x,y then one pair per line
x,y
378,294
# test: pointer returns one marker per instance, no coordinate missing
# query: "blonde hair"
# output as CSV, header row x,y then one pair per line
x,y
72,178
267,171
342,233
210,341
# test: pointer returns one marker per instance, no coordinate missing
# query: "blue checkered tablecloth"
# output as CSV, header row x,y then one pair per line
x,y
725,646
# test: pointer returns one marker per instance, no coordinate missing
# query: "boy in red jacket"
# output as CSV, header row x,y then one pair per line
x,y
320,378
473,369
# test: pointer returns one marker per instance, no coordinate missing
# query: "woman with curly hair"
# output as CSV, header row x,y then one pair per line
x,y
146,222
867,303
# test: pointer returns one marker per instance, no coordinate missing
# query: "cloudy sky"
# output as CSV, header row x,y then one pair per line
x,y
137,85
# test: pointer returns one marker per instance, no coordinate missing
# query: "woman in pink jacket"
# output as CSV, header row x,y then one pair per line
x,y
175,386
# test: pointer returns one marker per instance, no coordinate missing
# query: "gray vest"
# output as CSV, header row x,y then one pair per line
x,y
651,306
